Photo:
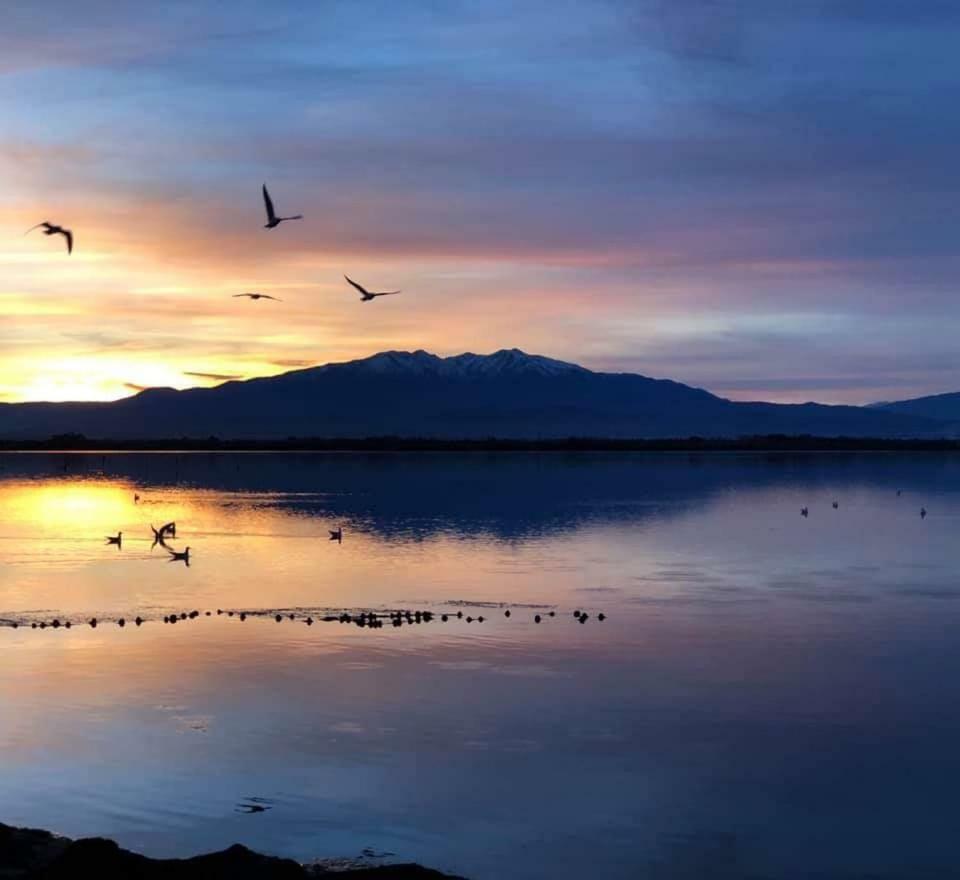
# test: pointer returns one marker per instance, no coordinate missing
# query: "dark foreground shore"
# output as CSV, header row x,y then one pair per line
x,y
28,854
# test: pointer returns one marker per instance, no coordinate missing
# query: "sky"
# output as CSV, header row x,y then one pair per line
x,y
757,197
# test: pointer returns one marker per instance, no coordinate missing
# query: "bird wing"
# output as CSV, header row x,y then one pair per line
x,y
69,237
241,294
359,287
274,298
268,202
36,227
387,293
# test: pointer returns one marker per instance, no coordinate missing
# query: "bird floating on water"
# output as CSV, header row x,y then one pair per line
x,y
804,511
169,529
923,513
52,229
272,218
836,505
337,535
256,296
368,295
118,540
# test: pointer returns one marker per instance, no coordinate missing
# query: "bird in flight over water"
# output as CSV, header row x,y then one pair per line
x,y
367,295
256,296
272,218
180,556
52,229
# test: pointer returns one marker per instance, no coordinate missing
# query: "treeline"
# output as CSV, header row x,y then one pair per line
x,y
760,443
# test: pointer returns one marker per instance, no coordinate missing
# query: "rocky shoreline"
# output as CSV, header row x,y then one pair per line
x,y
30,854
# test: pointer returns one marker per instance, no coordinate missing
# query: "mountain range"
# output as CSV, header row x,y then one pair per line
x,y
508,394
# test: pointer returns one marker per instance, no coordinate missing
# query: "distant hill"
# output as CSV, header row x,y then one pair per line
x,y
417,394
943,407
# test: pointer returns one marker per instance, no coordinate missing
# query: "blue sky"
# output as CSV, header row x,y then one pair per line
x,y
753,197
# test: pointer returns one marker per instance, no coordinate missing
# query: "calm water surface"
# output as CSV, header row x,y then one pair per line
x,y
769,696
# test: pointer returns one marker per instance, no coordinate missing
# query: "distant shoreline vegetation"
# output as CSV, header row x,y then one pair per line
x,y
757,443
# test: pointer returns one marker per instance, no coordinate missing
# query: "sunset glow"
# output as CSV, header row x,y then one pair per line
x,y
569,185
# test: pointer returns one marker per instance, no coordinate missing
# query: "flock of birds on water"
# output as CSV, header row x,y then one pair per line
x,y
363,619
273,221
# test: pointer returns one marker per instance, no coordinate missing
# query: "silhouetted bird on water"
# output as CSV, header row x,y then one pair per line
x,y
157,537
118,540
53,229
923,513
804,511
836,505
136,498
367,295
272,218
336,535
256,296
169,529
183,557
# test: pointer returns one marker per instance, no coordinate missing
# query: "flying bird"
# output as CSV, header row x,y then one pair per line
x,y
176,556
367,295
256,296
272,218
52,229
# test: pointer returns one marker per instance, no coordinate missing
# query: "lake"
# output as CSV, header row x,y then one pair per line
x,y
768,696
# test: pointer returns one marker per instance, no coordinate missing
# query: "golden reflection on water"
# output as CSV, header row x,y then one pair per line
x,y
248,550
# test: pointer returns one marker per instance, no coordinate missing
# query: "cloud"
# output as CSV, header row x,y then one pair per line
x,y
294,363
215,377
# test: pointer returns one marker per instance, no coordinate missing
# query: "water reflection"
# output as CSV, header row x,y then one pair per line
x,y
767,696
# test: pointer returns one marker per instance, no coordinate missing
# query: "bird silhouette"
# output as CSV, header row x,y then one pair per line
x,y
256,296
118,540
272,218
836,505
923,513
337,535
367,295
169,529
177,556
157,537
804,511
52,229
